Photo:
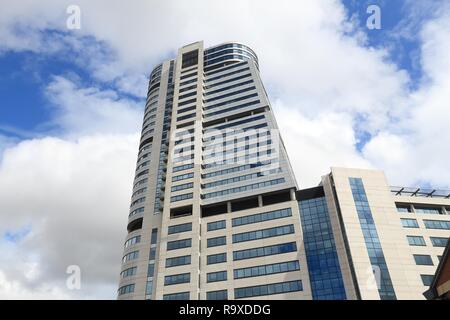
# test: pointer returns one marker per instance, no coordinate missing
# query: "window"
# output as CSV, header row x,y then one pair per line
x,y
427,279
428,210
183,167
132,241
268,289
178,261
260,217
263,234
409,223
217,241
267,269
180,228
151,270
154,236
216,225
152,254
176,296
189,59
182,177
181,197
416,241
182,187
149,287
130,256
217,295
243,188
126,289
179,244
216,258
403,208
216,276
136,211
423,260
177,279
439,241
237,85
437,224
264,251
128,272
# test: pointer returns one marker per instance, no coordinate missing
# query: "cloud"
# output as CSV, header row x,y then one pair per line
x,y
76,197
90,110
327,87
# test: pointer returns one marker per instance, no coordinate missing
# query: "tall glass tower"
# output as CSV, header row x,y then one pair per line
x,y
213,212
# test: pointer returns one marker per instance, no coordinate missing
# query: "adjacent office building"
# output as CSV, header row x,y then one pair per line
x,y
216,212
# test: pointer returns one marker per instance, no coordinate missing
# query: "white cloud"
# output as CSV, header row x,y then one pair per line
x,y
75,195
319,77
89,110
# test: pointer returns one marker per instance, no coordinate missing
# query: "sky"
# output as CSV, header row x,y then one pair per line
x,y
72,100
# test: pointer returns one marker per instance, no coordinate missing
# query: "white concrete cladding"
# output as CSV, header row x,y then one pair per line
x,y
223,158
408,241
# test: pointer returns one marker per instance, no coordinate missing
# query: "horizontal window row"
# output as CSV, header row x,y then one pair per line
x,y
268,289
219,83
235,123
183,167
263,234
188,116
128,272
216,258
420,241
265,251
422,209
179,228
239,106
178,261
133,240
176,296
233,86
182,187
249,176
216,225
135,202
179,244
234,169
181,197
130,256
186,109
216,276
437,224
126,289
177,279
217,241
183,177
136,211
217,295
243,188
260,217
228,102
233,66
267,269
226,75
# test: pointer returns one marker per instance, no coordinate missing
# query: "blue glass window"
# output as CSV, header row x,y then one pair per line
x,y
374,249
321,255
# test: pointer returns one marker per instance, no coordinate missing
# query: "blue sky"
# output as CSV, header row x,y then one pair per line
x,y
72,102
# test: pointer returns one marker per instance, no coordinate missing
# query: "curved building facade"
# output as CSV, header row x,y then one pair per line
x,y
211,164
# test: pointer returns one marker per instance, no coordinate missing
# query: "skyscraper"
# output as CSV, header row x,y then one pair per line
x,y
210,147
216,212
